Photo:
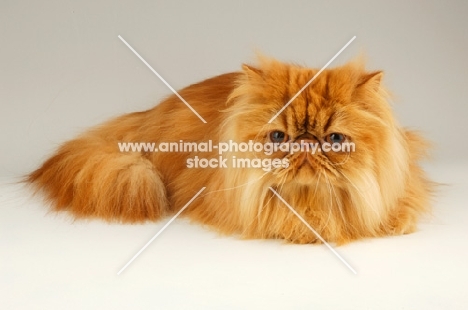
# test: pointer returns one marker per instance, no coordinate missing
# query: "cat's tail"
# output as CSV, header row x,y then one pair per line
x,y
91,178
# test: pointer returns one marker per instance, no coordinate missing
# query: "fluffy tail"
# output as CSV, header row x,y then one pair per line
x,y
91,178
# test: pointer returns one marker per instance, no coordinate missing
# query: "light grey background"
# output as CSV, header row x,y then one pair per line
x,y
63,69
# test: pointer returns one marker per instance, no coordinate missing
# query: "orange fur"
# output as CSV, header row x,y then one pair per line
x,y
377,190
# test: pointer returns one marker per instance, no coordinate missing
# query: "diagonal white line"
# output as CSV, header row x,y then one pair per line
x,y
314,231
311,80
163,80
160,231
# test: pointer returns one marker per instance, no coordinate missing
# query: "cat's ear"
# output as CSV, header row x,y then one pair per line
x,y
371,80
252,72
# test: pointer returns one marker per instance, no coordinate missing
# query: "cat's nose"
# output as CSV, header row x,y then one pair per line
x,y
307,140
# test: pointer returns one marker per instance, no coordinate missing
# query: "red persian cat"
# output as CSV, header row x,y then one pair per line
x,y
375,189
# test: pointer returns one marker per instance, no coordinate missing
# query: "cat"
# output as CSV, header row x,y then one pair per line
x,y
378,189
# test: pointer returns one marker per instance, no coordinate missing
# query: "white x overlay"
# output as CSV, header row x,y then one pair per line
x,y
271,120
311,80
160,231
314,231
163,80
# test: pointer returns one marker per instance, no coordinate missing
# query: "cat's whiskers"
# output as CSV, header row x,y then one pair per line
x,y
281,183
260,210
318,181
348,156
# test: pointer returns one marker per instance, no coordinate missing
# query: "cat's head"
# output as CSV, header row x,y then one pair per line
x,y
343,192
343,113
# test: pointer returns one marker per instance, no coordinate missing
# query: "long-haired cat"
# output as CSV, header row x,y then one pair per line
x,y
377,189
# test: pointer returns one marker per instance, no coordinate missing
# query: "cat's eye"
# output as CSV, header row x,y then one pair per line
x,y
335,138
277,136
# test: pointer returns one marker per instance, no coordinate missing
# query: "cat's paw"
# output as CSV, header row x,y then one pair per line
x,y
304,240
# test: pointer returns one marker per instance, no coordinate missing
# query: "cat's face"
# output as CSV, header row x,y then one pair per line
x,y
341,115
